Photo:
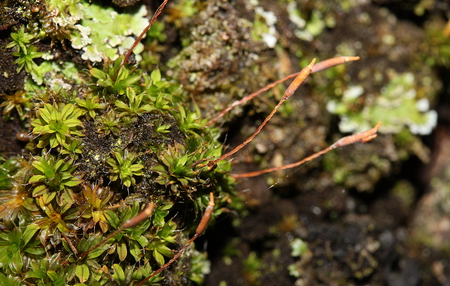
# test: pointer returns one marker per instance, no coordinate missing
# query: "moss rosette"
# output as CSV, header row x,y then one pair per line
x,y
105,144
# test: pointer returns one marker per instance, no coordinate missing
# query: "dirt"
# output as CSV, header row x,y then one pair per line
x,y
354,237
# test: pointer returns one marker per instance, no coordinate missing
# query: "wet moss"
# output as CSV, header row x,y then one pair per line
x,y
106,143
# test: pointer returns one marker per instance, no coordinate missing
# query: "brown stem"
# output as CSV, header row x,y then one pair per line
x,y
200,228
317,67
362,137
146,213
153,19
304,73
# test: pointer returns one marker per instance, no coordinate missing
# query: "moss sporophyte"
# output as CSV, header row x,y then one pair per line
x,y
116,159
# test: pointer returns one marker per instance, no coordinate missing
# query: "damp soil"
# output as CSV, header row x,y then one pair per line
x,y
354,237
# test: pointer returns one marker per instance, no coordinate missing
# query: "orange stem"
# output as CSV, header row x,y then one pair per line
x,y
362,137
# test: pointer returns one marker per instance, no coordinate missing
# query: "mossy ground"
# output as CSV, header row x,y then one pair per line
x,y
367,212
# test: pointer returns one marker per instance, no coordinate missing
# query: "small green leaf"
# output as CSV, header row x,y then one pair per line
x,y
98,251
47,198
155,76
130,80
122,250
142,240
36,178
29,233
164,250
17,262
40,190
112,218
158,257
36,273
10,281
135,250
30,205
52,275
35,250
118,275
82,272
97,73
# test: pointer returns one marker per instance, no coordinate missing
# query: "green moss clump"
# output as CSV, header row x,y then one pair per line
x,y
105,145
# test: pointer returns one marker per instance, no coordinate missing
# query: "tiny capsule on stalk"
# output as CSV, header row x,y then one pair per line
x,y
23,136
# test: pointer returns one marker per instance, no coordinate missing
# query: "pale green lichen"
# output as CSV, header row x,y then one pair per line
x,y
100,32
264,26
308,29
298,247
397,106
67,13
105,33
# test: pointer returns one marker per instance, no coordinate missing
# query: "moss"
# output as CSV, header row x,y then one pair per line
x,y
106,143
144,140
219,62
438,52
429,225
